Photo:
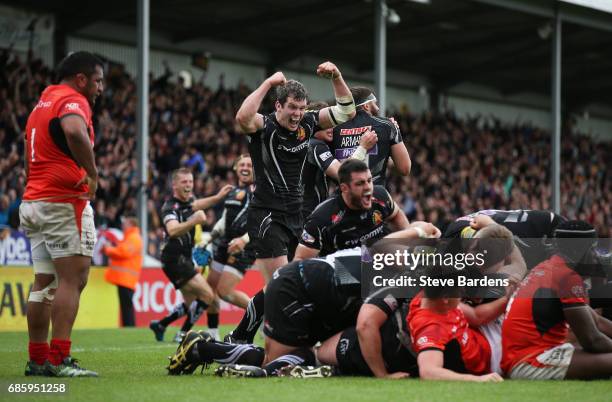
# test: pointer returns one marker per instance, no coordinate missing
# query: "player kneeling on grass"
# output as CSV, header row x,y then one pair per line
x,y
551,299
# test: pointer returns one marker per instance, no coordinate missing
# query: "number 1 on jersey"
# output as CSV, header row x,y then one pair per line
x,y
32,143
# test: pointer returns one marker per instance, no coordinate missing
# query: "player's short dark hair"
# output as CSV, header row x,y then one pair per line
x,y
180,171
317,105
360,94
291,88
78,63
348,167
574,240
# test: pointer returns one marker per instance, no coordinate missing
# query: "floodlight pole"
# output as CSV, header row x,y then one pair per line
x,y
380,53
555,173
142,118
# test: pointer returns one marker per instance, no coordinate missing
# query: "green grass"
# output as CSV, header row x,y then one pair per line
x,y
132,368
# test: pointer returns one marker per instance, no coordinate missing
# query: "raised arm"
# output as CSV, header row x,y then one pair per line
x,y
205,203
249,121
344,109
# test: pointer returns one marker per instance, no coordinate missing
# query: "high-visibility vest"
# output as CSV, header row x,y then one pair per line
x,y
125,260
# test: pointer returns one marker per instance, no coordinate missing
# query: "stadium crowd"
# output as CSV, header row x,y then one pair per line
x,y
460,165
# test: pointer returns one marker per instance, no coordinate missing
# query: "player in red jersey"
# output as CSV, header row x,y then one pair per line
x,y
55,212
550,300
447,347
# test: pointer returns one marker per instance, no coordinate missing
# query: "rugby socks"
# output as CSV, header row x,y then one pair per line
x,y
213,325
177,312
59,350
225,353
251,320
300,357
194,313
38,351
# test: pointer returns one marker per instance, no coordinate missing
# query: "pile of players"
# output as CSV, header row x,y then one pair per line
x,y
316,321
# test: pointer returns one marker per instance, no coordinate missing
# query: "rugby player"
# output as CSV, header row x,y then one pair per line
x,y
180,215
346,138
551,299
530,228
380,343
306,302
447,347
360,212
321,165
278,145
232,254
55,213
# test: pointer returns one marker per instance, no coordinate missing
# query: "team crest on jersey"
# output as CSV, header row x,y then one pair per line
x,y
335,218
307,237
377,217
240,195
301,134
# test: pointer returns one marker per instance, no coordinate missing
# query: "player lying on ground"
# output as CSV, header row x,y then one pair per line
x,y
380,343
531,228
306,302
551,299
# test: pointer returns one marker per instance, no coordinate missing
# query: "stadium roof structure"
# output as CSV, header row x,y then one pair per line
x,y
502,44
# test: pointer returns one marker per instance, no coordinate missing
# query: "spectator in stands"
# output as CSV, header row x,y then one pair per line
x,y
459,164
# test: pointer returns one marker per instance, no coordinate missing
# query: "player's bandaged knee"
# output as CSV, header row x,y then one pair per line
x,y
343,110
45,295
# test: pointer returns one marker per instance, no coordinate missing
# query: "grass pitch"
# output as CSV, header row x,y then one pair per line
x,y
132,368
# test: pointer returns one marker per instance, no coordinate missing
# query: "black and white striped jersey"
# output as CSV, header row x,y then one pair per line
x,y
278,158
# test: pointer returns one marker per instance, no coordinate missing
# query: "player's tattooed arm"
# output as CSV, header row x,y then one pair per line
x,y
249,121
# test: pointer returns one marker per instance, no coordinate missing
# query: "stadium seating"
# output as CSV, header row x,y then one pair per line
x,y
460,165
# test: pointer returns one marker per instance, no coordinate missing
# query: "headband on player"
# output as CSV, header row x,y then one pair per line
x,y
370,98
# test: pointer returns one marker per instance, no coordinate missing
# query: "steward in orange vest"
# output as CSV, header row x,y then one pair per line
x,y
125,263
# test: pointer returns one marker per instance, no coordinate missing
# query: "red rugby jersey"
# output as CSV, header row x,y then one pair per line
x,y
534,319
53,173
430,330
